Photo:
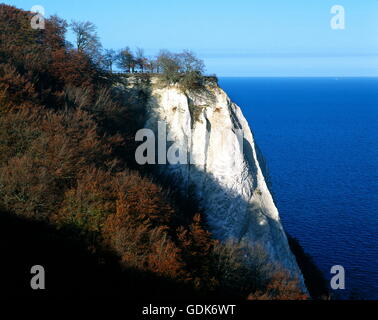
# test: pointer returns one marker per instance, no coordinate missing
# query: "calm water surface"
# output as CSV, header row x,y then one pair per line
x,y
320,139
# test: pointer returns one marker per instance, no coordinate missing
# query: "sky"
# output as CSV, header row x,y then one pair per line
x,y
259,38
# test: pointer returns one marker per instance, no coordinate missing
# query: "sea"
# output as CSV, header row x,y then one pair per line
x,y
319,137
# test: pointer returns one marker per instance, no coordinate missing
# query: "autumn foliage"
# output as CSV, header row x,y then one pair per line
x,y
61,131
281,286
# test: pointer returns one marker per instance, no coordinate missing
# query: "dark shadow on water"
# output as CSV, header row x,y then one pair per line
x,y
315,280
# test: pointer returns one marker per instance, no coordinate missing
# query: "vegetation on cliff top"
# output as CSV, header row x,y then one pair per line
x,y
67,177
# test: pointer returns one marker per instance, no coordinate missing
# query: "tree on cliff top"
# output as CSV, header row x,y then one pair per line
x,y
182,68
169,66
126,60
108,59
189,62
87,40
61,129
140,59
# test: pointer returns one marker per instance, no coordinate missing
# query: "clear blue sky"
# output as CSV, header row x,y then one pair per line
x,y
238,37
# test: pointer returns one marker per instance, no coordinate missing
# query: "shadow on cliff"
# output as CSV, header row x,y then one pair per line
x,y
190,201
73,271
255,224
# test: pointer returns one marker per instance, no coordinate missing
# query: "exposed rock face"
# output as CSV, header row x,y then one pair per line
x,y
226,178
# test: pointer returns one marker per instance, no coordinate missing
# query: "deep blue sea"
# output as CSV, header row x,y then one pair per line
x,y
320,139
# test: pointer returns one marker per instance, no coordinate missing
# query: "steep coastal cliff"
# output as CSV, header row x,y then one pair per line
x,y
69,140
224,173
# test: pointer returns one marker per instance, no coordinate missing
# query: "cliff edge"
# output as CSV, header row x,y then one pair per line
x,y
223,171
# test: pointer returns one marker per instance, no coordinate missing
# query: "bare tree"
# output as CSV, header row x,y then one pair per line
x,y
140,59
190,63
87,40
126,60
183,68
151,65
108,59
169,66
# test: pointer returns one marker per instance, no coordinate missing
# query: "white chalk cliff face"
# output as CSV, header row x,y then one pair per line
x,y
226,178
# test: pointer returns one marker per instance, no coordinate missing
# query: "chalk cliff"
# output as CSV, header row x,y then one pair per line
x,y
226,177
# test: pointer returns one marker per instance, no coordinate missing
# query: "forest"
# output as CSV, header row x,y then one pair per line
x,y
73,199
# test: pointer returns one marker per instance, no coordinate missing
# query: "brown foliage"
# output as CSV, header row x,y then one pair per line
x,y
241,267
39,65
59,129
280,287
140,245
197,247
16,33
49,152
138,230
16,90
72,68
86,206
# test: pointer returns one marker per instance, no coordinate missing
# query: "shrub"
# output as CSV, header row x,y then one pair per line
x,y
191,81
195,113
197,249
16,90
51,150
65,141
142,246
280,287
241,267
